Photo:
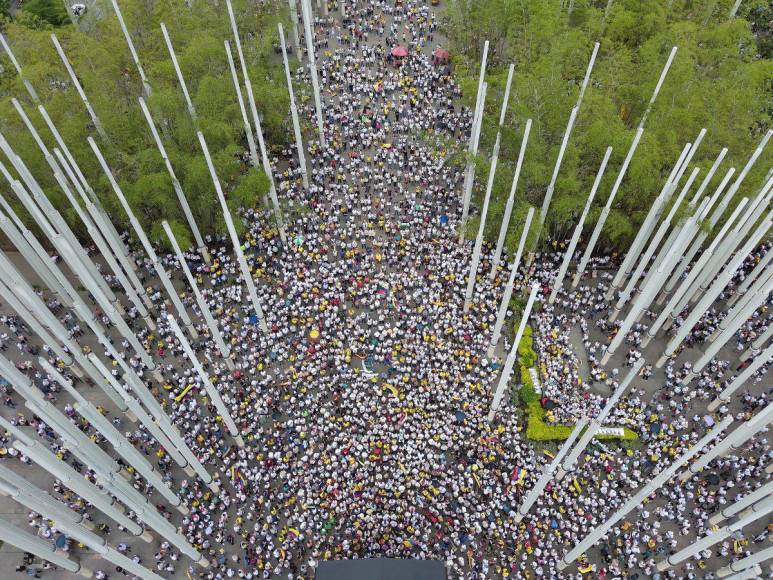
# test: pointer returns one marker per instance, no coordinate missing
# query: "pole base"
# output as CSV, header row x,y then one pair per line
x,y
661,361
192,332
214,487
714,405
146,536
147,301
205,254
85,572
663,565
606,357
88,524
189,471
131,416
716,519
230,364
646,340
203,562
239,441
183,509
690,376
149,323
76,370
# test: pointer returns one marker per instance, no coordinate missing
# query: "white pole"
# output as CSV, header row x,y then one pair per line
x,y
504,305
740,505
748,564
206,313
40,548
176,184
245,119
714,291
503,112
214,395
81,93
135,58
548,471
607,208
734,9
598,421
758,343
698,243
673,308
27,84
294,109
481,229
567,133
508,368
294,19
761,360
469,178
559,281
743,309
649,223
753,276
307,18
472,147
258,129
654,245
636,500
160,271
509,205
246,275
734,440
716,537
179,73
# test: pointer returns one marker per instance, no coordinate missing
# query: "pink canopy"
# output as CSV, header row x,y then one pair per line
x,y
399,51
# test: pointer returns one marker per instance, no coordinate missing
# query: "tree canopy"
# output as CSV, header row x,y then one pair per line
x,y
720,80
102,62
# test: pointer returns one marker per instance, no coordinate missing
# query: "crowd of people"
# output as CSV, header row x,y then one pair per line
x,y
364,407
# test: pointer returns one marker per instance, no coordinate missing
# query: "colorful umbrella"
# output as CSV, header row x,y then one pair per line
x,y
399,51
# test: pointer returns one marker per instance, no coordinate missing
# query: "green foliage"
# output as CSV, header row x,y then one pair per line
x,y
50,11
101,59
720,80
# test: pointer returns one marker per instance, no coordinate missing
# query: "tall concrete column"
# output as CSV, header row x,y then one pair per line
x,y
179,73
648,293
214,329
214,395
636,500
505,304
27,85
758,343
40,548
649,222
752,277
715,537
509,205
71,479
691,206
654,245
160,271
246,275
672,309
294,19
476,252
711,294
307,22
761,360
743,433
548,471
698,243
749,565
503,112
744,309
607,208
122,446
81,93
596,423
258,128
245,119
559,281
507,370
176,184
294,109
564,142
135,58
472,147
741,504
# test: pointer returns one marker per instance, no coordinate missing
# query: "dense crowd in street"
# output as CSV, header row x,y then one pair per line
x,y
364,407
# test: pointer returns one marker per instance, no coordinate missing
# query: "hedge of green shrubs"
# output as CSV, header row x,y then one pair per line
x,y
536,428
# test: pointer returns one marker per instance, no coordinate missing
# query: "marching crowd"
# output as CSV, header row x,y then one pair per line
x,y
363,409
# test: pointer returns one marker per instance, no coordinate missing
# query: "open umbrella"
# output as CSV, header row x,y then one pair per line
x,y
441,54
400,51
